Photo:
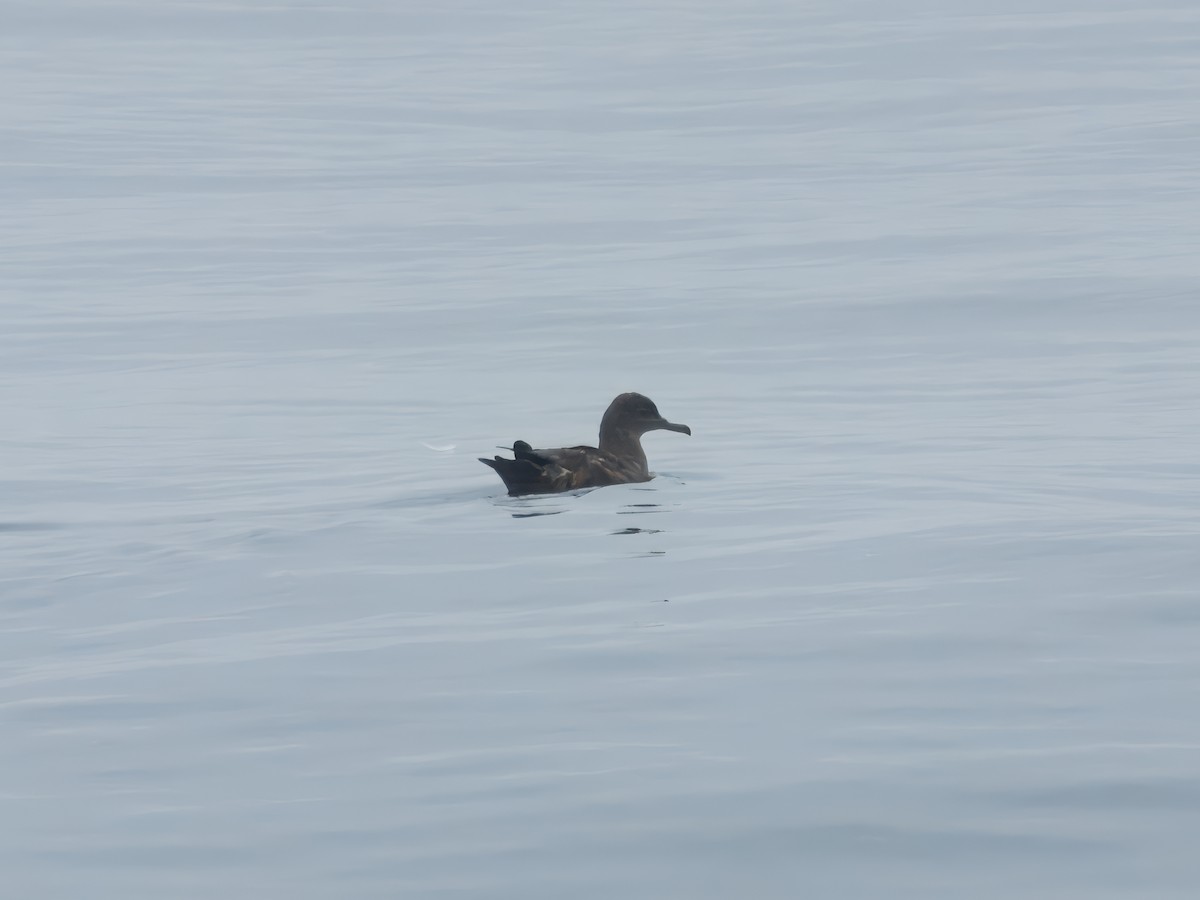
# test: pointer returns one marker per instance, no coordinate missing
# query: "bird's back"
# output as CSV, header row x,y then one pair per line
x,y
563,469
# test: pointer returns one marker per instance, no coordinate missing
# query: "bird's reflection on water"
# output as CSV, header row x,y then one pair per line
x,y
635,509
533,506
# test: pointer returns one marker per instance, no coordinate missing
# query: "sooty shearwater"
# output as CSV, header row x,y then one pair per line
x,y
619,459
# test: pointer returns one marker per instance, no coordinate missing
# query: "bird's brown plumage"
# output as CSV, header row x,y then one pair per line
x,y
618,460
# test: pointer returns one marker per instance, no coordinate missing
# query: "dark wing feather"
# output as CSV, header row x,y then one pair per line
x,y
522,450
562,469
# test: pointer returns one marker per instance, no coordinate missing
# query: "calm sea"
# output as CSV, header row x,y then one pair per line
x,y
914,613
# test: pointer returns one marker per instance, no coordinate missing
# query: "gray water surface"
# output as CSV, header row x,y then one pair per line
x,y
914,612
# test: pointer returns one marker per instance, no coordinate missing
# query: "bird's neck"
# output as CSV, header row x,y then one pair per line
x,y
623,443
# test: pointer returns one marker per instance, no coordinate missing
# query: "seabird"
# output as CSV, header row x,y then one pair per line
x,y
619,459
